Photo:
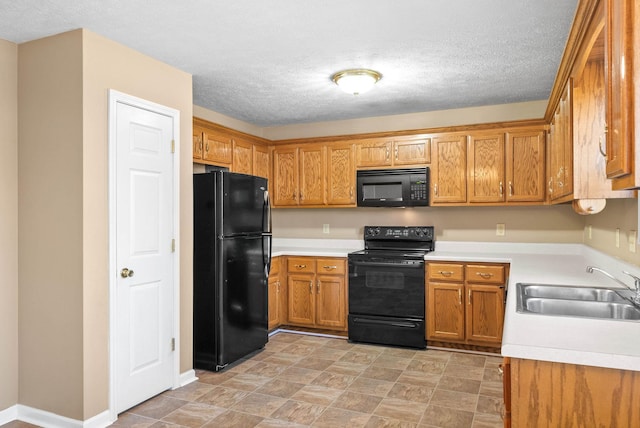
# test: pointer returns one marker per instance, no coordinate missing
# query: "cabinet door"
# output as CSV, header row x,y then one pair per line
x,y
274,301
341,174
485,313
449,169
486,168
217,147
197,143
285,176
412,151
374,152
525,166
242,156
312,175
445,311
331,306
261,161
619,57
301,299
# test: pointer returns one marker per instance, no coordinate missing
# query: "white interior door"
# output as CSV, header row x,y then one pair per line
x,y
144,259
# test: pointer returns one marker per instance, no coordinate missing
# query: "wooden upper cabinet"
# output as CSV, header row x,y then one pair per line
x,y
560,176
285,176
261,164
449,169
486,168
393,151
621,30
341,175
197,143
242,156
374,152
217,147
525,166
312,175
412,151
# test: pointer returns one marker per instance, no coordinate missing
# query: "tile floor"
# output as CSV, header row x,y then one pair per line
x,y
302,380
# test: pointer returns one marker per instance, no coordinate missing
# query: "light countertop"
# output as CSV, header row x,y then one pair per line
x,y
594,342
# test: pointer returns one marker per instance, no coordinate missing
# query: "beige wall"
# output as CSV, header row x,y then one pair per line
x,y
432,119
63,165
523,224
619,214
8,224
50,225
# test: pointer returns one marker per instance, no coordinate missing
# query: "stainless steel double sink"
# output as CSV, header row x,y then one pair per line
x,y
575,301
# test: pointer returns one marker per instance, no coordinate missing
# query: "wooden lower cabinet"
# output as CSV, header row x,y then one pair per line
x,y
548,394
465,303
317,292
277,296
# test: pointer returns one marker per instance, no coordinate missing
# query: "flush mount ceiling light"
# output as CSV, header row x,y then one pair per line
x,y
356,81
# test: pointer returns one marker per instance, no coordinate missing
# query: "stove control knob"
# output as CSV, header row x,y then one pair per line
x,y
377,231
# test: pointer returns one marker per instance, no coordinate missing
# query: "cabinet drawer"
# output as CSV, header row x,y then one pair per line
x,y
446,271
485,273
331,266
301,264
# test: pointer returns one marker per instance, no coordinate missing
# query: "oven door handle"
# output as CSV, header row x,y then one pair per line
x,y
416,265
402,324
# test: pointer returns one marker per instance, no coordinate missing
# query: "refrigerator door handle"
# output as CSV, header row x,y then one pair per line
x,y
266,213
266,254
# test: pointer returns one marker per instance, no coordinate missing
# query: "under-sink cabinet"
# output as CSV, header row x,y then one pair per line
x,y
465,304
552,394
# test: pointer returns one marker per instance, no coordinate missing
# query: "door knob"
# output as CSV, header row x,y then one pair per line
x,y
126,273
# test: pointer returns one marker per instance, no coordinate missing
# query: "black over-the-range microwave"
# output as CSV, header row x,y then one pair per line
x,y
408,187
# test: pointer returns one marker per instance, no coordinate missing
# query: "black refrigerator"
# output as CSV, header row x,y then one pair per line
x,y
232,257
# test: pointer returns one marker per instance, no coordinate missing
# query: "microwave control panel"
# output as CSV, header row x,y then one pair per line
x,y
418,188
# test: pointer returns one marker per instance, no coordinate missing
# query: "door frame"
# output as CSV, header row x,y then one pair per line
x,y
116,97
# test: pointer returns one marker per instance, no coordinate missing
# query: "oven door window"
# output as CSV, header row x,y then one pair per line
x,y
386,289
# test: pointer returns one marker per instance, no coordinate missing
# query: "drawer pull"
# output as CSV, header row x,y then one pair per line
x,y
300,266
500,369
485,275
330,267
445,272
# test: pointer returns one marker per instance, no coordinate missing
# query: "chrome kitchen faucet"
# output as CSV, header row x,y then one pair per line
x,y
636,298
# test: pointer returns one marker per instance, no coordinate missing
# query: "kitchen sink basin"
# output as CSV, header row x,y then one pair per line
x,y
570,293
582,308
560,300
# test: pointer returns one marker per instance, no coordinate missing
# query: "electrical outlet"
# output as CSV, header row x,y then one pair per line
x,y
325,228
500,229
590,232
633,237
617,237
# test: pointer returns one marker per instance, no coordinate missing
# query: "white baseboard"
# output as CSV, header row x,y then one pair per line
x,y
9,414
51,420
187,377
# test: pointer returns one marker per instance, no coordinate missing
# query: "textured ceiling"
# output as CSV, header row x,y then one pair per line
x,y
269,62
